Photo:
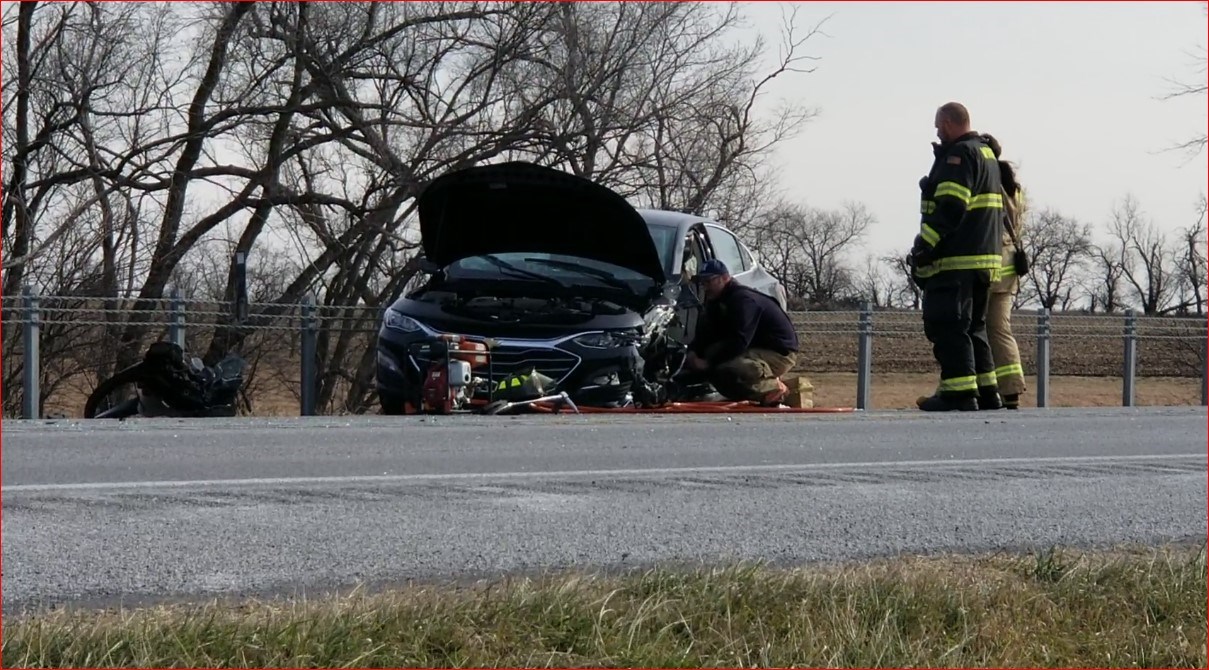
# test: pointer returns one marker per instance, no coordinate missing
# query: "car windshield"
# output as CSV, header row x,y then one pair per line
x,y
557,269
665,242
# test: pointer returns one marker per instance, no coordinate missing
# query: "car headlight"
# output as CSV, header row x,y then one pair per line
x,y
401,323
604,340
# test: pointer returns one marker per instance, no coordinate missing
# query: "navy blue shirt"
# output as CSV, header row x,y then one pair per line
x,y
743,318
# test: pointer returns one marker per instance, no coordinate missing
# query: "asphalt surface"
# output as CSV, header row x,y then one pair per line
x,y
100,512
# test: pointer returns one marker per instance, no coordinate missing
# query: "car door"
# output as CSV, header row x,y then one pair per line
x,y
738,258
695,251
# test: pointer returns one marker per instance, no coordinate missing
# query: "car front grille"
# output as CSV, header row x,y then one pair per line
x,y
504,361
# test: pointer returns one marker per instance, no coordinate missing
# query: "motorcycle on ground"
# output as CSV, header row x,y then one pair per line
x,y
169,386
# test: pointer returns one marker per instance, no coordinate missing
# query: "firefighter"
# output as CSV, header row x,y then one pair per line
x,y
1009,373
745,342
955,258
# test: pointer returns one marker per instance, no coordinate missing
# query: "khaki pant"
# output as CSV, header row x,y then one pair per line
x,y
1008,370
752,374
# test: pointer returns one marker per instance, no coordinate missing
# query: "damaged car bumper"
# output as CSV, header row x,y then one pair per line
x,y
594,367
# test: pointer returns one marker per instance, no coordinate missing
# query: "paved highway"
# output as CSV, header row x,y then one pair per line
x,y
104,511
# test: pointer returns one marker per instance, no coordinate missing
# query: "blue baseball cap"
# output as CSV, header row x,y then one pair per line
x,y
710,269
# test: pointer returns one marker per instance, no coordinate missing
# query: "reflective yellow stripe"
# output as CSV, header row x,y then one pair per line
x,y
1013,370
987,153
513,382
927,206
954,190
929,235
986,201
984,262
981,262
1008,270
959,384
987,379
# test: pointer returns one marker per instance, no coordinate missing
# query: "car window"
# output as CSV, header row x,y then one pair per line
x,y
748,261
664,238
726,248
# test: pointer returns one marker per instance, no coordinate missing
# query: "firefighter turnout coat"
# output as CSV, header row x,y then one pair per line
x,y
962,211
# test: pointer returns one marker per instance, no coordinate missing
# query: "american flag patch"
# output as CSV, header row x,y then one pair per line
x,y
953,160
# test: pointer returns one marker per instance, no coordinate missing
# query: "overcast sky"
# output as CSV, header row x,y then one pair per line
x,y
1071,90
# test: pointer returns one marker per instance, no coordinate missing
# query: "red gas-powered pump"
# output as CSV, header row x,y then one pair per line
x,y
449,383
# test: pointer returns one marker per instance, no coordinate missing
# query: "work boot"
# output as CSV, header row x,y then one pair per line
x,y
941,403
1011,401
919,402
988,398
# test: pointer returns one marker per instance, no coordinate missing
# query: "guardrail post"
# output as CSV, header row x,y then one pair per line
x,y
31,401
1043,337
864,356
310,337
240,307
176,327
1131,358
1205,364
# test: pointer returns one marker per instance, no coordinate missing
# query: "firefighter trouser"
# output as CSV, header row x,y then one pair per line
x,y
1008,370
751,375
954,312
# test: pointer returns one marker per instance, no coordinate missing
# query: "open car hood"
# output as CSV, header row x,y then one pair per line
x,y
524,207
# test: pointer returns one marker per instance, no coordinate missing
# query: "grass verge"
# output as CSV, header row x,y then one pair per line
x,y
1056,608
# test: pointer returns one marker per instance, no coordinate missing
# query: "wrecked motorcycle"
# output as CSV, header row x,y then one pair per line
x,y
169,386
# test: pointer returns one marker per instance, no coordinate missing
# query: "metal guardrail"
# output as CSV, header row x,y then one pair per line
x,y
308,320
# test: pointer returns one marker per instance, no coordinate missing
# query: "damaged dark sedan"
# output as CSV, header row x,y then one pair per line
x,y
555,276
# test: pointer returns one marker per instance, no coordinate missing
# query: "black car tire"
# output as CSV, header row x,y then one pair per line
x,y
391,404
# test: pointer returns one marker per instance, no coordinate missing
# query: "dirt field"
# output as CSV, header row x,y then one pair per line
x,y
891,390
898,390
1079,345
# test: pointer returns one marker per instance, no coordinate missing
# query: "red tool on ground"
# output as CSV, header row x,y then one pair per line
x,y
449,383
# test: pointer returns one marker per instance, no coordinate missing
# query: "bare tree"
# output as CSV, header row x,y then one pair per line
x,y
1193,87
806,249
1104,279
825,238
873,284
1058,249
649,99
885,282
1191,265
908,294
89,90
1146,261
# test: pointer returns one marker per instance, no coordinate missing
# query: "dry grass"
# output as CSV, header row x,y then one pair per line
x,y
1142,608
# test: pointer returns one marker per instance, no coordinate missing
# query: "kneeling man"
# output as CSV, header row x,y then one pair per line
x,y
745,342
